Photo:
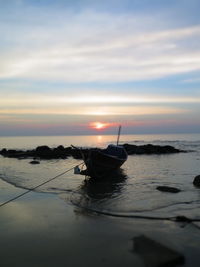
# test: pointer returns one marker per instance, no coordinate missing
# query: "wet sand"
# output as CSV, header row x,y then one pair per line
x,y
41,229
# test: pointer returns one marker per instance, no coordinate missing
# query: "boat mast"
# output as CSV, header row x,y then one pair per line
x,y
119,131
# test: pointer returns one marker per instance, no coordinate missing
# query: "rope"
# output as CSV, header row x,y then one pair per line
x,y
175,219
32,189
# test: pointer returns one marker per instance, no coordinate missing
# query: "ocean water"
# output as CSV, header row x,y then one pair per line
x,y
132,193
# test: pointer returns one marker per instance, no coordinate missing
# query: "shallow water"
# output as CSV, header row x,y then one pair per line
x,y
133,192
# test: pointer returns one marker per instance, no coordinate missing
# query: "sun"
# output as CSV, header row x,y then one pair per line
x,y
99,125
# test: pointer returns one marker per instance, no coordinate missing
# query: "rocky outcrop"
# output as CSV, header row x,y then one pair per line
x,y
150,149
61,152
42,152
45,152
11,153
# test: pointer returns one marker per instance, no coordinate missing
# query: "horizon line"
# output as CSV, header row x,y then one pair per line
x,y
107,134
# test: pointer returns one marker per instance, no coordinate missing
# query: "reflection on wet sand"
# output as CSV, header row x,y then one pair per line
x,y
93,192
105,188
94,195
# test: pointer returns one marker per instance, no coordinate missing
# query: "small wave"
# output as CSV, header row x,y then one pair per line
x,y
15,184
160,212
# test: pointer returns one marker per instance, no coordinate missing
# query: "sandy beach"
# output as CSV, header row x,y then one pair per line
x,y
43,230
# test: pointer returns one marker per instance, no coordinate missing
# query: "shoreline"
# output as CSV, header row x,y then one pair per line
x,y
46,230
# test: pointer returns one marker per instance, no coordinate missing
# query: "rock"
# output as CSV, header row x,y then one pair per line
x,y
42,149
79,154
3,151
182,218
34,162
155,254
44,152
12,153
168,189
150,149
196,181
59,152
61,148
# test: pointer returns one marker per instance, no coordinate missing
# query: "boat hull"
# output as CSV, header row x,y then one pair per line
x,y
101,165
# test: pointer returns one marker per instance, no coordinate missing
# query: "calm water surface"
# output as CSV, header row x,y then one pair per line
x,y
134,192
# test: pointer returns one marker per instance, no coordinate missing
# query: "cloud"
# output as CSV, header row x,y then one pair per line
x,y
90,46
30,99
37,104
70,66
192,80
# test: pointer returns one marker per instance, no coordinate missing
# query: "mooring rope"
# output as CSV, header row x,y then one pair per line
x,y
107,213
32,189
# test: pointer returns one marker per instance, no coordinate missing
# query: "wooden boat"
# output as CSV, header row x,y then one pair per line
x,y
102,162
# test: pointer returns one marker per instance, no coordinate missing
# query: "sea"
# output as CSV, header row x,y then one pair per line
x,y
134,192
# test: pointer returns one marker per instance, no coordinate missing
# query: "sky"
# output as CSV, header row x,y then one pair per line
x,y
70,67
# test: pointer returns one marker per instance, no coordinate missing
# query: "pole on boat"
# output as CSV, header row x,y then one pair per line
x,y
119,131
